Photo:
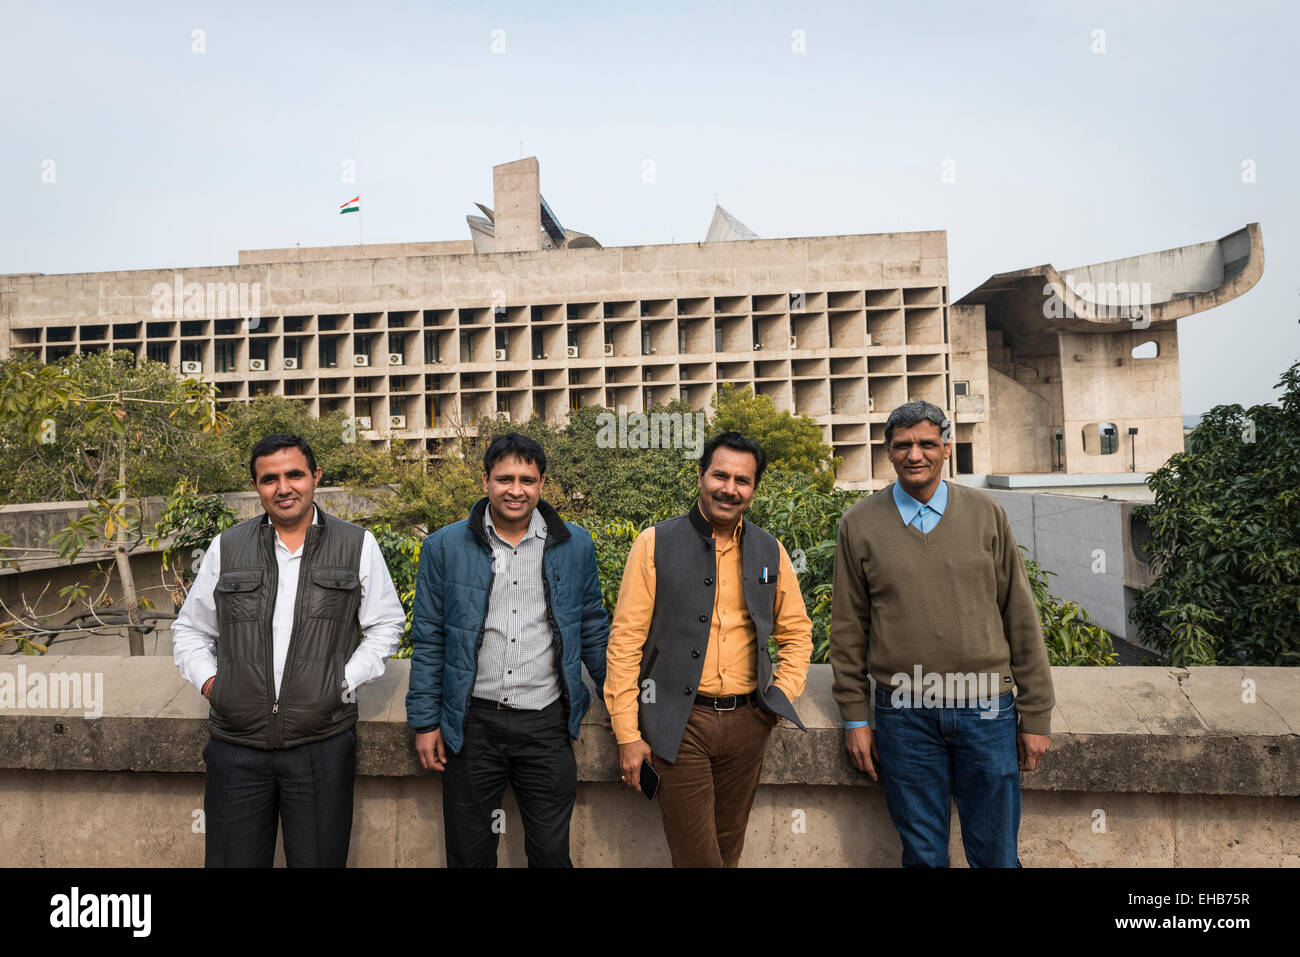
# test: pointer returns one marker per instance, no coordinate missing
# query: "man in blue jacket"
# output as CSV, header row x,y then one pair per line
x,y
507,610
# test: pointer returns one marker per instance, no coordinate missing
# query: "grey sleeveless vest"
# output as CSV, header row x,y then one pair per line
x,y
673,655
311,706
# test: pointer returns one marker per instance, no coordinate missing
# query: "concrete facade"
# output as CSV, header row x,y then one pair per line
x,y
419,341
1148,766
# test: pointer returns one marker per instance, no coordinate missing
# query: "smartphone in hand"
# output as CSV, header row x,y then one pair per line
x,y
649,779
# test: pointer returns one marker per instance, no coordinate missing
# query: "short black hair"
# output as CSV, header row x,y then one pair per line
x,y
274,443
738,443
514,443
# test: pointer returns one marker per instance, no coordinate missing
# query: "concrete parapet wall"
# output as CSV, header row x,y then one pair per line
x,y
1148,766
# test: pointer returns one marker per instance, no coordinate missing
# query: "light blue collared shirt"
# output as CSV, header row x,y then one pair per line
x,y
925,517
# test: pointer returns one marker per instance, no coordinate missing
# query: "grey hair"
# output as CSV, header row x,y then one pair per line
x,y
914,413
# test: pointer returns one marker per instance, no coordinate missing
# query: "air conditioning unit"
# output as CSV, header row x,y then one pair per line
x,y
794,342
290,362
609,349
395,359
256,365
191,368
361,359
363,421
571,352
397,421
500,355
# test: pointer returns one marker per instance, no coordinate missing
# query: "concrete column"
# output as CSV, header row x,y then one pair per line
x,y
516,197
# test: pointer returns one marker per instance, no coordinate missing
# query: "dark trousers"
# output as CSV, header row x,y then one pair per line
x,y
308,789
706,795
530,750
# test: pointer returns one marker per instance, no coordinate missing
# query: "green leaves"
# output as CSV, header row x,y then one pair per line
x,y
401,552
64,426
1071,638
1225,539
791,442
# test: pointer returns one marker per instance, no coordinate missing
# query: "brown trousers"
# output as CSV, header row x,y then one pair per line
x,y
706,796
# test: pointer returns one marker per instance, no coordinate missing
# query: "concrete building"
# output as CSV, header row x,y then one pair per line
x,y
418,340
1077,371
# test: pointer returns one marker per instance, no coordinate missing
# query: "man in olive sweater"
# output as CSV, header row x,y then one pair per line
x,y
932,605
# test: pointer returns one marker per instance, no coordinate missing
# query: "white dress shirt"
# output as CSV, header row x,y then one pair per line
x,y
194,632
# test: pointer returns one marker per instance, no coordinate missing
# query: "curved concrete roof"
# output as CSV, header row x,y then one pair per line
x,y
1032,306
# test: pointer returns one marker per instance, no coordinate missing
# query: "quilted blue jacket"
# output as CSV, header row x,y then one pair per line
x,y
452,588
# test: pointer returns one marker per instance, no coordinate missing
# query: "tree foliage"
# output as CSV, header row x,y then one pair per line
x,y
190,521
1225,539
64,427
792,442
340,461
105,428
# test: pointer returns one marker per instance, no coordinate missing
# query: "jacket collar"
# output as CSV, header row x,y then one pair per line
x,y
556,530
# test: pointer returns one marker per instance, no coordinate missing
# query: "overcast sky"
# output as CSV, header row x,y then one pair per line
x,y
805,119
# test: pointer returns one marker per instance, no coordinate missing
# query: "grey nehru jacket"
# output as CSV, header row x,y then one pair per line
x,y
516,663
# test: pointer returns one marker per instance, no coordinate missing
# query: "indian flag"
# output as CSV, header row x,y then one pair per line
x,y
351,206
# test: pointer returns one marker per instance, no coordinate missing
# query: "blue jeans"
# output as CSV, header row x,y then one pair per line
x,y
931,756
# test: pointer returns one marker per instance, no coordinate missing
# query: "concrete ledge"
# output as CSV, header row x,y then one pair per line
x,y
1152,767
1231,731
1041,480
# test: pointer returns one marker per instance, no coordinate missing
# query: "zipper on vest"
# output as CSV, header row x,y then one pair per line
x,y
268,543
304,588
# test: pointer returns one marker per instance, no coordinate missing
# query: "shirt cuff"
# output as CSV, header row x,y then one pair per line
x,y
200,684
625,727
849,725
350,675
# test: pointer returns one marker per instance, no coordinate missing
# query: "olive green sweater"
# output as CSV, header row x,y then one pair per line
x,y
953,602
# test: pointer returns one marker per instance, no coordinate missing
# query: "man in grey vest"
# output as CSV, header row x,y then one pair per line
x,y
268,634
689,683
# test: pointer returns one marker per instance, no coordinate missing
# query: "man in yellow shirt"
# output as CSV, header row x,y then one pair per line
x,y
689,683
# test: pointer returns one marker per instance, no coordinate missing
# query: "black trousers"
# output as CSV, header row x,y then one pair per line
x,y
529,749
308,789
